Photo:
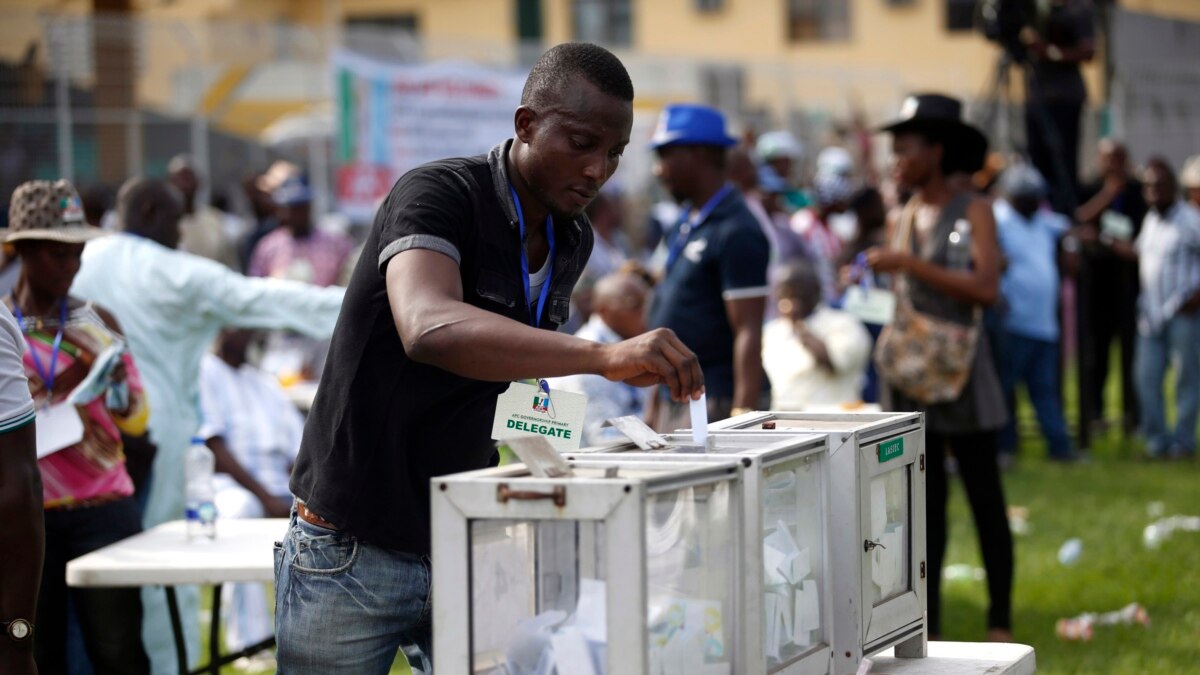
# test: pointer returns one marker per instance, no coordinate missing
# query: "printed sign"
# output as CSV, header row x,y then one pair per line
x,y
528,410
394,117
891,449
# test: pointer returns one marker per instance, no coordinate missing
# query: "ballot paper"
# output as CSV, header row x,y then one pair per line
x,y
572,656
887,565
591,612
878,506
97,380
58,427
808,613
699,410
538,456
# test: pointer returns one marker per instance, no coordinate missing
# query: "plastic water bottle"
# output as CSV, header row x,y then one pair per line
x,y
201,511
959,245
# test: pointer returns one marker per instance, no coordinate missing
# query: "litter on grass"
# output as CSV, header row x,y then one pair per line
x,y
1018,520
1082,627
962,572
1156,509
1159,530
1069,552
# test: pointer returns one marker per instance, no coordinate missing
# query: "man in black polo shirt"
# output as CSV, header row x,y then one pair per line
x,y
439,317
715,288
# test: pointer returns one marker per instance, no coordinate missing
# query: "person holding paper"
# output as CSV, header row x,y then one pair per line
x,y
88,392
1112,212
814,355
465,277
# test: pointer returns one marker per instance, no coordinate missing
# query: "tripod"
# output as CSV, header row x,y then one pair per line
x,y
998,124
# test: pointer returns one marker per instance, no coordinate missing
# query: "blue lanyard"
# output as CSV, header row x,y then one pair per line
x,y
46,375
535,320
685,225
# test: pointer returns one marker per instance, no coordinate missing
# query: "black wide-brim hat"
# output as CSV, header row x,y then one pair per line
x,y
940,117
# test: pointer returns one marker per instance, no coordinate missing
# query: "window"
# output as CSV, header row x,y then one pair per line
x,y
608,22
960,15
815,20
406,23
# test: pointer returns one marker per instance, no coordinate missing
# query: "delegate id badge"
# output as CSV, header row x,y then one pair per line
x,y
58,426
871,305
529,410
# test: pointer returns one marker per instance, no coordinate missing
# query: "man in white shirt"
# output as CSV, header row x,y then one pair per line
x,y
618,313
172,304
814,356
1168,255
254,432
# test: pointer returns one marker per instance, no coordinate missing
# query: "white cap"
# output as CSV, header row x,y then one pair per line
x,y
835,160
1189,177
778,144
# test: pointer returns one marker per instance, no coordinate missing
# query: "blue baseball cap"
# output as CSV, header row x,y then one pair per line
x,y
293,192
691,124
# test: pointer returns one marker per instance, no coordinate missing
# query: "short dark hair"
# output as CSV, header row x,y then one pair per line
x,y
558,65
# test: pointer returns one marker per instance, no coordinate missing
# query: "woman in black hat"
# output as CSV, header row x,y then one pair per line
x,y
950,261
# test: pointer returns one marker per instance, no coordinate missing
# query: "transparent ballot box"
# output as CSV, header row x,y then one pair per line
x,y
877,525
614,569
786,585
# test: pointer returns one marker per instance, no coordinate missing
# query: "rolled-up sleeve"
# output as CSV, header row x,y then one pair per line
x,y
429,208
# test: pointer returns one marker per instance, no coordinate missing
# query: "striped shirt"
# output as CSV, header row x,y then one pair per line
x,y
1169,262
261,427
95,466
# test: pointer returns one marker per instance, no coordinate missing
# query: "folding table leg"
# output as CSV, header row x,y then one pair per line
x,y
177,629
214,633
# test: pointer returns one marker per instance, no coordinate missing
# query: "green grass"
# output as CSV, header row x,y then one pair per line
x,y
1103,503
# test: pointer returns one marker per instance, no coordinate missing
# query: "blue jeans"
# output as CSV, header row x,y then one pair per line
x,y
1179,338
1034,362
344,606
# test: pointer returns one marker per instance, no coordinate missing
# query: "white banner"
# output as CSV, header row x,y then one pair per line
x,y
393,117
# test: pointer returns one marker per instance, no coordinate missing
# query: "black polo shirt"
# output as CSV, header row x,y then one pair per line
x,y
382,424
725,258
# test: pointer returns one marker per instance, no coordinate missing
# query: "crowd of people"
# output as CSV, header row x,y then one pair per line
x,y
140,321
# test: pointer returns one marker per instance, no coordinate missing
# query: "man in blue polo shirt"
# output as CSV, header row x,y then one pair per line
x,y
714,287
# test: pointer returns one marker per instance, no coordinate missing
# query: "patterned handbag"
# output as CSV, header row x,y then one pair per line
x,y
927,358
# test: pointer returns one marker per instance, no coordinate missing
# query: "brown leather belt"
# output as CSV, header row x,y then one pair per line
x,y
308,516
88,503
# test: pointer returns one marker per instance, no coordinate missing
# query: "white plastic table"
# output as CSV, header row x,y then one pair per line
x,y
162,555
960,658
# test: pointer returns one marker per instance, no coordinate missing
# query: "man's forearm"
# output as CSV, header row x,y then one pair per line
x,y
747,367
226,463
22,538
482,345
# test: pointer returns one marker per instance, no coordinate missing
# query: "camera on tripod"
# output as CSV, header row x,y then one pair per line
x,y
1004,21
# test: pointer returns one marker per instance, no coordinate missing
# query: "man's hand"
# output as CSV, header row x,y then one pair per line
x,y
275,507
656,357
883,259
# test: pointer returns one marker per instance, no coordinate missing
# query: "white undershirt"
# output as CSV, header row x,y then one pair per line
x,y
536,281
